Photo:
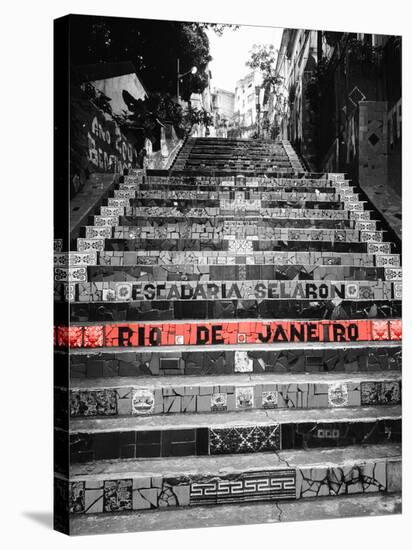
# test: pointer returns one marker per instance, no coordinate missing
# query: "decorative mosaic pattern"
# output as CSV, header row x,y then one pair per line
x,y
247,487
57,245
94,232
70,274
244,439
338,395
116,445
305,260
93,403
380,393
143,401
118,495
84,245
334,481
195,398
393,274
75,259
77,497
379,248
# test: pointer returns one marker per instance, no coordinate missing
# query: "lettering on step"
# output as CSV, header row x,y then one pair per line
x,y
247,332
276,290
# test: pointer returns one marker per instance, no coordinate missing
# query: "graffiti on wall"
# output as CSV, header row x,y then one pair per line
x,y
108,148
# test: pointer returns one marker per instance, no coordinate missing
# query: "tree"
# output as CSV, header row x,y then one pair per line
x,y
152,46
263,58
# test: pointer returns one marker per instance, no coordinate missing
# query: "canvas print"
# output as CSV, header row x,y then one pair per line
x,y
227,274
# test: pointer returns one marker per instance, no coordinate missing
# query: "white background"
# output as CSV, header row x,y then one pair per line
x,y
26,270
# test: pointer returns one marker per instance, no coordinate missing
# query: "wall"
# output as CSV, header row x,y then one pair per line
x,y
97,144
114,87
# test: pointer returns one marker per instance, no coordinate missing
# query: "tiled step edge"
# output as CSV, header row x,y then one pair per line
x,y
146,485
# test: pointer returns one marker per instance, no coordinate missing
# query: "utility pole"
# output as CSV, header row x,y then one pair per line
x,y
178,78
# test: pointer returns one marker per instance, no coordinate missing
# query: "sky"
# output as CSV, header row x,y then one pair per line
x,y
231,51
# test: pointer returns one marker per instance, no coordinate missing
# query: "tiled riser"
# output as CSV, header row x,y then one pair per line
x,y
220,229
178,244
164,310
259,183
371,277
287,234
235,290
297,360
218,398
87,447
219,193
269,210
112,496
226,201
247,332
285,262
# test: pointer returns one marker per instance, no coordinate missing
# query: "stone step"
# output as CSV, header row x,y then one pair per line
x,y
267,216
330,507
109,290
220,227
305,263
208,310
244,431
303,274
289,477
128,229
181,394
234,184
346,358
247,331
237,246
253,187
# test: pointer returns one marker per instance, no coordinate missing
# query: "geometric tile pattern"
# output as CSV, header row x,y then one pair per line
x,y
244,439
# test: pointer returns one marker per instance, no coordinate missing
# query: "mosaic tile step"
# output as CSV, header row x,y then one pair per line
x,y
330,507
149,290
242,418
219,193
192,273
267,214
245,246
255,185
225,332
206,480
241,229
307,262
116,438
266,210
164,310
348,358
265,233
304,178
175,395
231,200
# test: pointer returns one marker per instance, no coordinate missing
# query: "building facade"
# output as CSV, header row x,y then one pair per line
x,y
339,103
247,102
223,107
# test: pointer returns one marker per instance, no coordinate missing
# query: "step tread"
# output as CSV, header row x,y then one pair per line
x,y
344,506
231,380
275,347
225,464
254,417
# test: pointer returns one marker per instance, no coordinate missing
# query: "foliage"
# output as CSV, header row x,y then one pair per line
x,y
152,46
362,51
263,58
193,115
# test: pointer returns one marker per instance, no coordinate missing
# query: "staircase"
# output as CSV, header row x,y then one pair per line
x,y
235,348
